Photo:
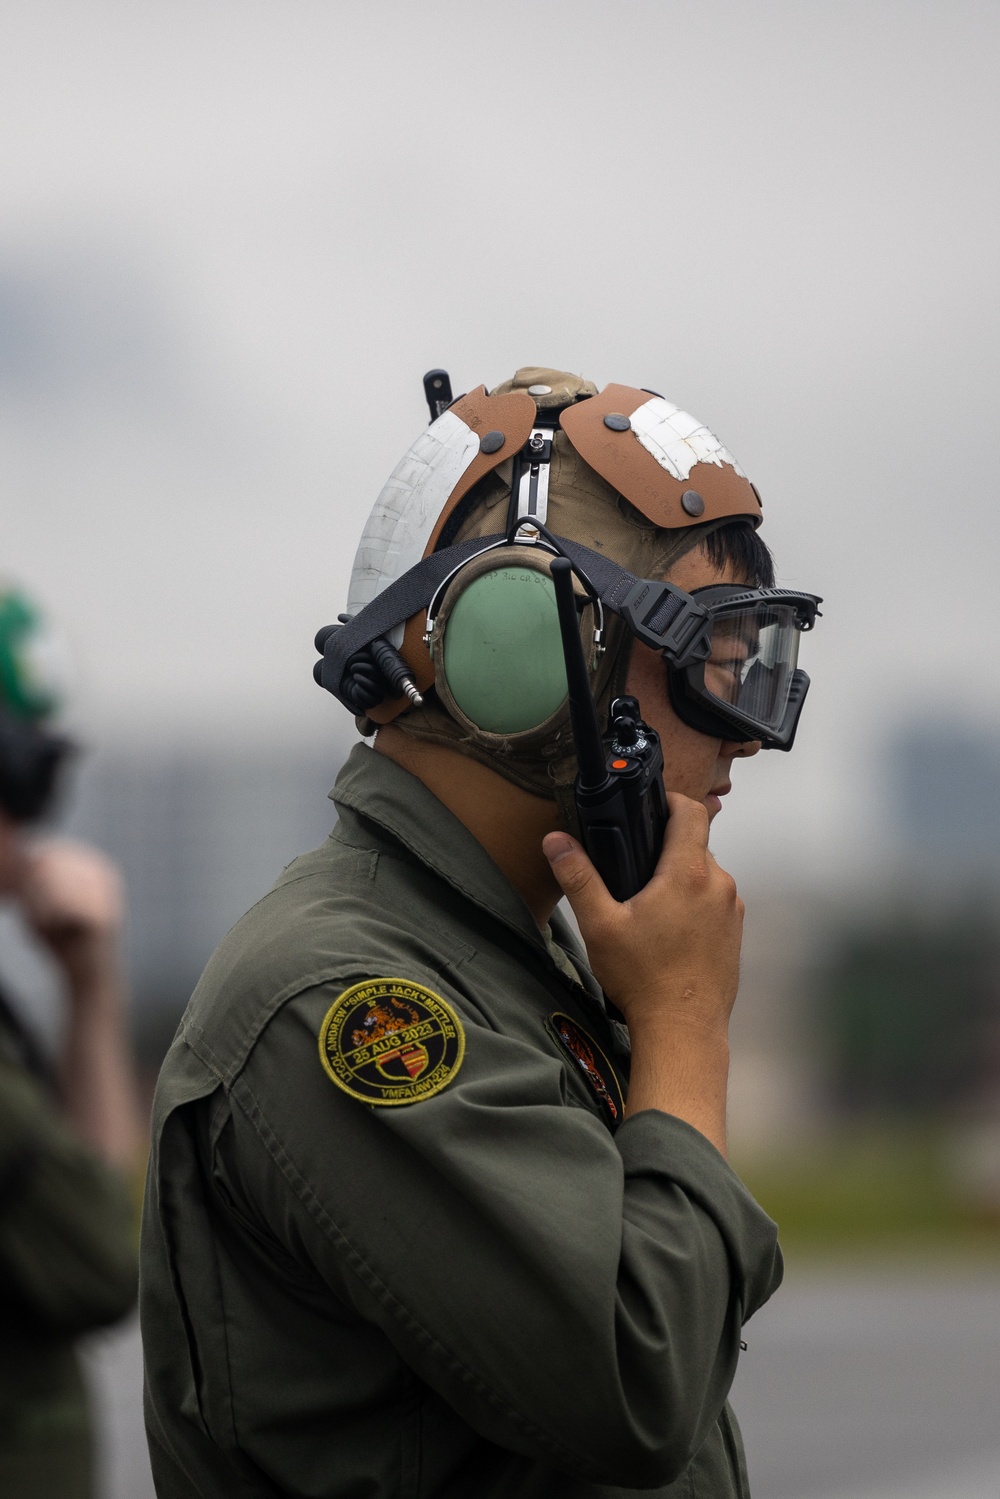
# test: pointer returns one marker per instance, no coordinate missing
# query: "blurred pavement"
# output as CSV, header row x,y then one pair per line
x,y
114,1365
874,1383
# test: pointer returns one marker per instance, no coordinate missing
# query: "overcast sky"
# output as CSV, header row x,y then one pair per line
x,y
233,236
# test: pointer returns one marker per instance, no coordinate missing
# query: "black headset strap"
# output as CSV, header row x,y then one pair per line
x,y
416,588
394,606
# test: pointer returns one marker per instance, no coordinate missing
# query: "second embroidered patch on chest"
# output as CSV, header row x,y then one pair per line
x,y
593,1065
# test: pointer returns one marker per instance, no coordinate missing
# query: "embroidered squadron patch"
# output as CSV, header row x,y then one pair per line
x,y
388,1041
597,1071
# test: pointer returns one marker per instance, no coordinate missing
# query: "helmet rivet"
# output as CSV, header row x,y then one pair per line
x,y
492,442
617,422
692,502
539,390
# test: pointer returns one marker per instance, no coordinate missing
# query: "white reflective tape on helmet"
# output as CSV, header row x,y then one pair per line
x,y
677,440
404,515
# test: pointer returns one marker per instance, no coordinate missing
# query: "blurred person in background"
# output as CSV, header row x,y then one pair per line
x,y
69,1127
403,1234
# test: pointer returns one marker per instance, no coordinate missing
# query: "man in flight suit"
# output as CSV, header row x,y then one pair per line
x,y
438,1203
69,1127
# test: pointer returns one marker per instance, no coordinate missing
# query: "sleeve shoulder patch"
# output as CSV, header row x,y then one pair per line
x,y
597,1071
390,1041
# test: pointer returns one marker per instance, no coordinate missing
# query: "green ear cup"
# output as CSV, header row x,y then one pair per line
x,y
503,653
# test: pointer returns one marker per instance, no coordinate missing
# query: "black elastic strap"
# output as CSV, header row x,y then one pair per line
x,y
609,579
665,613
416,588
394,606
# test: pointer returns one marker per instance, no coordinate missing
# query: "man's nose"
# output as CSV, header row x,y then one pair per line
x,y
734,749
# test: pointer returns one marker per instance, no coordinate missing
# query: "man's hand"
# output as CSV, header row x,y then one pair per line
x,y
70,896
669,959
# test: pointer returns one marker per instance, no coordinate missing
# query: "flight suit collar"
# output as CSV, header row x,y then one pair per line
x,y
402,807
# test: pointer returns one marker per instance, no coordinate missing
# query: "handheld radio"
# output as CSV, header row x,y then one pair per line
x,y
620,799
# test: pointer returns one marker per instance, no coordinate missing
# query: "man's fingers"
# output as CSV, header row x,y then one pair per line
x,y
687,831
69,885
686,843
575,874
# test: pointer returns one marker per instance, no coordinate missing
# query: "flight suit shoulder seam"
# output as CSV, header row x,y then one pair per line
x,y
364,859
195,1035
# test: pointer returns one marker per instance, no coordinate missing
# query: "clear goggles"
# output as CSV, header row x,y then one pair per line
x,y
749,686
731,652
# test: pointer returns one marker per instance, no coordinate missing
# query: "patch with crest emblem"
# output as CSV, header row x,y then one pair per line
x,y
597,1071
388,1041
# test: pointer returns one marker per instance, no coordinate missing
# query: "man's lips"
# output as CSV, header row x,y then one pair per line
x,y
713,801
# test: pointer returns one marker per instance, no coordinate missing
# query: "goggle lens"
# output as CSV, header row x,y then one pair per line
x,y
754,654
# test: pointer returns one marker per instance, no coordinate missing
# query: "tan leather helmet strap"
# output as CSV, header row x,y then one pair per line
x,y
503,425
601,431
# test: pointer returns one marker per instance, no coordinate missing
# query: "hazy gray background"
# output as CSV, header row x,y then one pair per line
x,y
233,236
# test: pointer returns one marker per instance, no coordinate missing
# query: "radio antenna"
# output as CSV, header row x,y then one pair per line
x,y
583,714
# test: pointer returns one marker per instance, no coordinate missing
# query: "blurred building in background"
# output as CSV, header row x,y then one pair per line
x,y
945,781
200,833
908,986
866,1070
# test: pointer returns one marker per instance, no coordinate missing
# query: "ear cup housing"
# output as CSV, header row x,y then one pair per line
x,y
497,650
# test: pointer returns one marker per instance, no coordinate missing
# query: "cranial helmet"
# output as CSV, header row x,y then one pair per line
x,y
451,628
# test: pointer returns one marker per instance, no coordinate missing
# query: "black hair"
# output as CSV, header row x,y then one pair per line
x,y
738,547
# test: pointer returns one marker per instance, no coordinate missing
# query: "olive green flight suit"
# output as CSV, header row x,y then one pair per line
x,y
485,1292
67,1264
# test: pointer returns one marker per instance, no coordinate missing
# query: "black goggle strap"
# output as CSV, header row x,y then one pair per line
x,y
659,614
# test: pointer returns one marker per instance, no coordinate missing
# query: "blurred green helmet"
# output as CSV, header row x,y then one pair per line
x,y
27,684
32,756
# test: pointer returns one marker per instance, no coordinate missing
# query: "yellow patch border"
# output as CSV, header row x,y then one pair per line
x,y
404,989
